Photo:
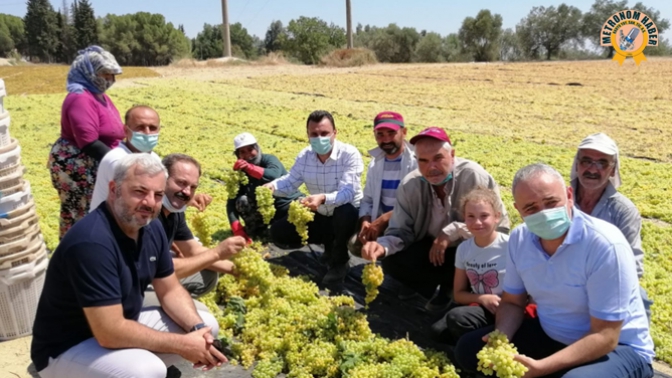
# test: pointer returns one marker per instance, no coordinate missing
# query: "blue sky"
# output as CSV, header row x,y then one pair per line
x,y
442,16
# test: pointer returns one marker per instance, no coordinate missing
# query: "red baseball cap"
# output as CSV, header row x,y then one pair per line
x,y
432,132
388,120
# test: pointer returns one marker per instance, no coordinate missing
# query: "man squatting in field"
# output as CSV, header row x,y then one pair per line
x,y
90,320
260,169
332,173
595,177
582,274
419,245
391,161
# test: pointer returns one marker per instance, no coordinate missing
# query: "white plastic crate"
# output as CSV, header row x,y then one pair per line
x,y
18,245
11,180
3,93
11,157
25,256
12,170
20,290
15,201
6,218
11,229
4,128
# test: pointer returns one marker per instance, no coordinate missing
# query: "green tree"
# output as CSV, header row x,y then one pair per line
x,y
546,30
601,10
85,25
310,38
391,44
430,48
143,39
209,43
479,36
40,23
67,48
274,37
509,46
451,48
12,34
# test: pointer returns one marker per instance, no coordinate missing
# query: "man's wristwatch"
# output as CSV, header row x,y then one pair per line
x,y
197,327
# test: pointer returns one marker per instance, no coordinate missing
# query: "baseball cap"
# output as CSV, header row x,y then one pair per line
x,y
388,120
432,132
599,142
242,140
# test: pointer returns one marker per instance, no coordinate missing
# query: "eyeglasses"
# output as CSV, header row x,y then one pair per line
x,y
599,164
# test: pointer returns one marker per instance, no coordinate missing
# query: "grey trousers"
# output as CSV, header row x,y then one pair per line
x,y
200,283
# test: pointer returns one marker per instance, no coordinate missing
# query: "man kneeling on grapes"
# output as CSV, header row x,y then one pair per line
x,y
582,275
260,169
418,248
332,172
196,266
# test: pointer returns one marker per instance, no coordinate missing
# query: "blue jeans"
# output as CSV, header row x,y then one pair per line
x,y
532,341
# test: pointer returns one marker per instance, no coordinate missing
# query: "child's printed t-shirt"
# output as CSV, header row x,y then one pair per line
x,y
486,266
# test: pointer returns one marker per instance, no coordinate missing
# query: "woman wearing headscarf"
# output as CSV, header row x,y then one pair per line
x,y
90,127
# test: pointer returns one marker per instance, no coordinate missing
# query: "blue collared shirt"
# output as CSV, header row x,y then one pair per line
x,y
593,273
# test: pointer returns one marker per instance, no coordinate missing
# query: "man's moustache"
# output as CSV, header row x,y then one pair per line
x,y
182,196
591,176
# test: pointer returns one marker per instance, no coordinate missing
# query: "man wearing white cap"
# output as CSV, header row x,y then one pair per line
x,y
595,177
260,169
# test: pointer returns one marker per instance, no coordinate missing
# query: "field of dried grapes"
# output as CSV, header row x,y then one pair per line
x,y
501,115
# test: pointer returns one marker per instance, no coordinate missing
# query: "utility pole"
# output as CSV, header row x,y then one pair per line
x,y
226,36
348,10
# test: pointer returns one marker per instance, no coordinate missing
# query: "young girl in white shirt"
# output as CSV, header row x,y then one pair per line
x,y
480,264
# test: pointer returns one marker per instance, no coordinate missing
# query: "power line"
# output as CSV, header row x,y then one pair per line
x,y
256,14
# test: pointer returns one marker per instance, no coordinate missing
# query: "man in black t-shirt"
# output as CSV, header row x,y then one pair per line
x,y
196,266
90,321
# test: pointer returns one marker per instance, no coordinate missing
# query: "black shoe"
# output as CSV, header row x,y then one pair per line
x,y
440,302
336,274
173,372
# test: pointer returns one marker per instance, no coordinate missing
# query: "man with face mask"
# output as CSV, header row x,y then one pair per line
x,y
90,320
260,169
418,248
142,126
582,274
332,172
196,266
595,178
392,160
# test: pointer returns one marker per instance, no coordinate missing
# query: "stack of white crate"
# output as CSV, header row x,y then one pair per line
x,y
23,254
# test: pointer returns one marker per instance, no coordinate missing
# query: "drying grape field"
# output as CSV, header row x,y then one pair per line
x,y
503,116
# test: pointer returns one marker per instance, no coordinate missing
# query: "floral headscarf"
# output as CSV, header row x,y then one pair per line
x,y
88,63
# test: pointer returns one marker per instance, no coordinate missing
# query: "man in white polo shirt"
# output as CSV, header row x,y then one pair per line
x,y
582,274
142,126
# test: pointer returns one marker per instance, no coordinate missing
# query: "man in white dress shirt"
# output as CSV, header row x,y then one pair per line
x,y
332,172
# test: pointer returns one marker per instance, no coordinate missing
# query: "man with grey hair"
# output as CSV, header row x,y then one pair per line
x,y
419,245
595,178
581,272
90,321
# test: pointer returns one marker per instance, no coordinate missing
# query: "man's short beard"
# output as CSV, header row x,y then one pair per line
x,y
123,213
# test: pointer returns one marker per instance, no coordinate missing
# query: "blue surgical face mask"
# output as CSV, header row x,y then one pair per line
x,y
549,224
321,145
144,142
448,178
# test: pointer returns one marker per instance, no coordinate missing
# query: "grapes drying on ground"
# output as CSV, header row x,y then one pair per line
x,y
265,203
300,216
372,278
497,356
284,325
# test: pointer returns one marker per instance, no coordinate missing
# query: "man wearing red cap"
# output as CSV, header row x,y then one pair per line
x,y
392,160
418,248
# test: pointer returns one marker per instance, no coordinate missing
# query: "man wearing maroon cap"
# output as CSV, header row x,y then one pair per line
x,y
418,247
392,160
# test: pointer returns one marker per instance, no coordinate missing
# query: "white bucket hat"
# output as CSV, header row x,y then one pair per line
x,y
244,139
602,143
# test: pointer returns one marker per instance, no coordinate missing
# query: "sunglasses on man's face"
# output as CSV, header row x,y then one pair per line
x,y
601,164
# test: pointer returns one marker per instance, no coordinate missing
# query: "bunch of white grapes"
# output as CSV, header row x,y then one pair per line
x,y
372,277
233,180
265,203
299,216
497,356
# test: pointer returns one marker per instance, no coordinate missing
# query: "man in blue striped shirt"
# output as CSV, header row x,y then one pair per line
x,y
393,159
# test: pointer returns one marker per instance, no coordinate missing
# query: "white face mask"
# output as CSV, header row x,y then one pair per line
x,y
169,206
